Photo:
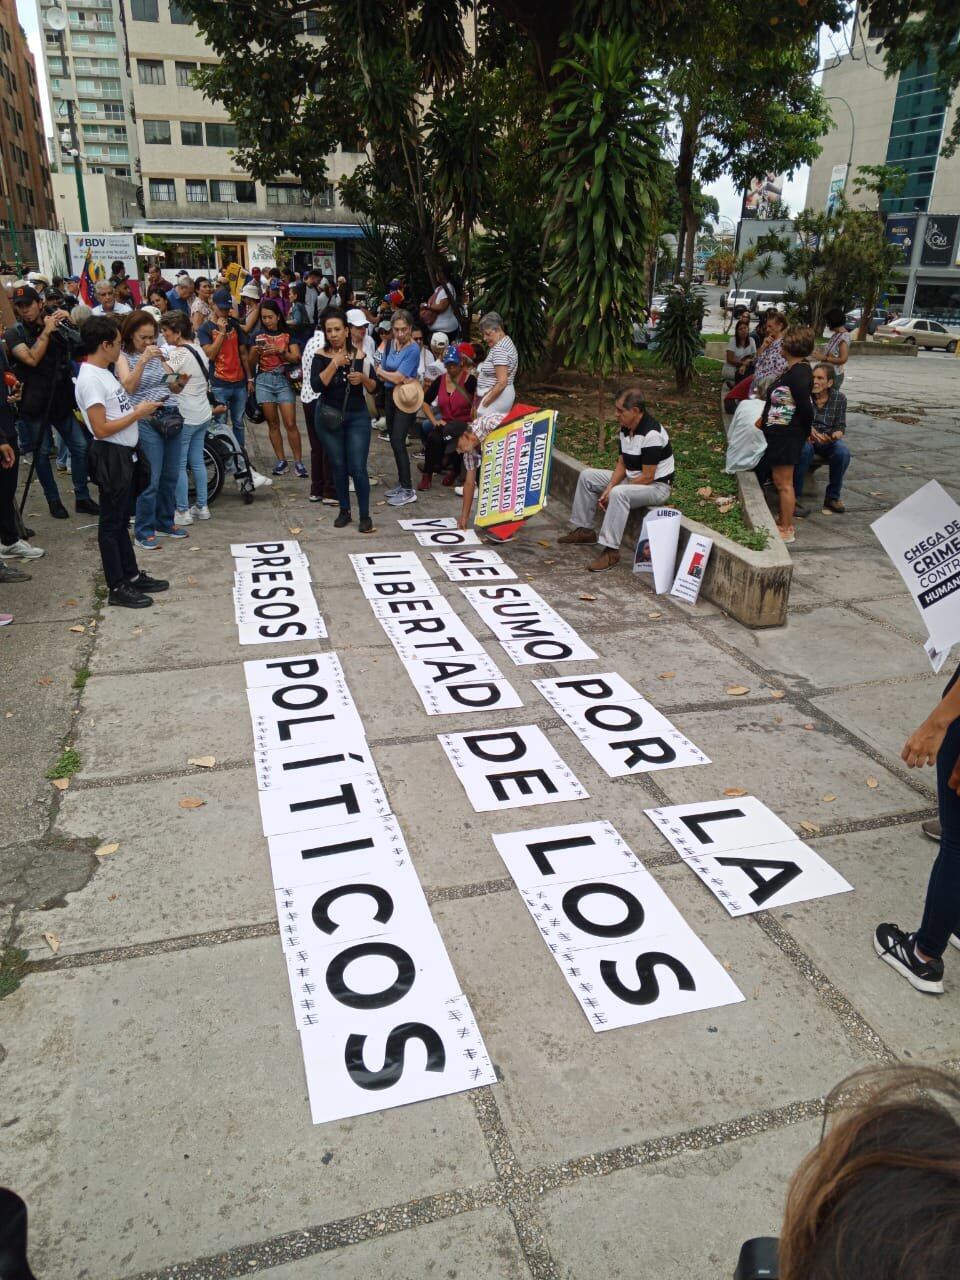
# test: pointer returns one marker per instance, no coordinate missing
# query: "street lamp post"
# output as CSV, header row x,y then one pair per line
x,y
55,20
853,135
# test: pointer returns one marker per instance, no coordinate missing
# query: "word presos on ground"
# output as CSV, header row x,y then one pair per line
x,y
272,596
381,1016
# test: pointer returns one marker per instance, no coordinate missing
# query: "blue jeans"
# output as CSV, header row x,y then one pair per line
x,y
191,455
838,459
234,396
274,387
347,449
155,506
63,452
941,914
75,438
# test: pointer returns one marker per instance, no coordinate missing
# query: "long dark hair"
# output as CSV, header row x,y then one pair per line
x,y
743,322
269,305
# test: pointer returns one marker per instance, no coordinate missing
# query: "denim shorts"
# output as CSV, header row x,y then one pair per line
x,y
274,387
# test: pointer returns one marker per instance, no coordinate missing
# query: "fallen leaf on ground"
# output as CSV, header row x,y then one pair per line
x,y
193,548
705,492
52,941
105,850
136,631
777,693
79,629
737,690
297,529
583,596
809,726
542,542
61,783
873,783
192,802
70,602
667,675
828,798
811,827
654,616
45,680
203,762
878,494
734,791
113,897
192,582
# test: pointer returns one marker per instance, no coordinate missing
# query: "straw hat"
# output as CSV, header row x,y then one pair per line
x,y
408,397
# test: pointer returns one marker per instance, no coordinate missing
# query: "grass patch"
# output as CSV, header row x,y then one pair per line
x,y
101,592
13,965
67,765
81,677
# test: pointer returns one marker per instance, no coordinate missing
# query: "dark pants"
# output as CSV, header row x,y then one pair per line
x,y
9,526
440,448
941,913
348,448
837,456
321,468
75,438
398,424
116,549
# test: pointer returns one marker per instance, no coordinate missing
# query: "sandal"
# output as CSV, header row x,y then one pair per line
x,y
788,535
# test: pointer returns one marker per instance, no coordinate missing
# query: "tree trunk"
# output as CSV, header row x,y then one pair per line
x,y
690,245
601,425
684,183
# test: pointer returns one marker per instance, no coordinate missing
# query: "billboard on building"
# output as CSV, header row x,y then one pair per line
x,y
51,252
763,198
838,179
938,239
902,231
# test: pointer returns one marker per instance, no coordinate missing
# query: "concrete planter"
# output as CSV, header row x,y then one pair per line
x,y
752,586
873,347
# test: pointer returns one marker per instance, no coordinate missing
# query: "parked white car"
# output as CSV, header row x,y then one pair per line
x,y
929,334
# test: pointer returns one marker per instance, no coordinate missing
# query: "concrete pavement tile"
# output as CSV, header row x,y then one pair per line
x,y
462,1248
886,717
849,576
824,648
888,870
900,611
568,1090
731,1193
177,872
898,486
67,574
767,751
160,1112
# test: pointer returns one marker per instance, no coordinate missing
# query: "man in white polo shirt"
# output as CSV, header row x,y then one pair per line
x,y
642,477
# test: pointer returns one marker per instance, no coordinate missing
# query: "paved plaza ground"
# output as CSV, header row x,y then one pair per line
x,y
154,1111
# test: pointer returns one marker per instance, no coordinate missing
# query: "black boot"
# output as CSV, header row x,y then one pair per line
x,y
59,511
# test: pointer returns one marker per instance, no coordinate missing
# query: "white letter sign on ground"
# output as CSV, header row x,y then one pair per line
x,y
399,589
746,855
437,522
367,846
528,629
622,731
921,535
656,551
484,692
287,766
300,713
447,538
693,563
459,566
444,636
272,597
510,768
410,606
626,952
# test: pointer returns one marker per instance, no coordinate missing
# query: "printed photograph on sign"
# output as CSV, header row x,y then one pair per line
x,y
341,798
366,845
510,768
286,766
555,855
448,538
693,564
656,549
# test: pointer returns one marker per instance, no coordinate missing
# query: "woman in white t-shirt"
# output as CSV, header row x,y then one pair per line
x,y
190,364
495,374
112,457
438,312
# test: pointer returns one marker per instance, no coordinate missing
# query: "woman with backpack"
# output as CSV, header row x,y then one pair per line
x,y
191,392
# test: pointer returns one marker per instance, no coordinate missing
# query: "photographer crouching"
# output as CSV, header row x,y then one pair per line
x,y
42,346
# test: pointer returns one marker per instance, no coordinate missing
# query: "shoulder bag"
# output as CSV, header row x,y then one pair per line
x,y
329,416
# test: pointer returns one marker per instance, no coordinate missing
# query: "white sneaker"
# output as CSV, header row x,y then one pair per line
x,y
458,490
20,550
374,480
259,481
182,517
379,423
198,513
403,498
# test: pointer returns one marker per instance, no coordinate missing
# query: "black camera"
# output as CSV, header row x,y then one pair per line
x,y
758,1259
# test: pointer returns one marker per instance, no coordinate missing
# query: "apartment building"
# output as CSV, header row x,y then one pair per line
x,y
26,197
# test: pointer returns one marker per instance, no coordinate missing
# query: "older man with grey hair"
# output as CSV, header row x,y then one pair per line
x,y
107,304
642,477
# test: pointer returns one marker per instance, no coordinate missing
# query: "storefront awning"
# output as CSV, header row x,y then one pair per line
x,y
321,231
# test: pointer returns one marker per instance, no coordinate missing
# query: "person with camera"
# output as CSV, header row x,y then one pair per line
x,y
42,345
114,424
13,544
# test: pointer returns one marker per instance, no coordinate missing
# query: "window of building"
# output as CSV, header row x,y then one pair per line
x,y
324,198
145,10
191,133
246,192
285,193
163,190
223,191
197,191
113,110
184,71
179,16
221,135
157,131
150,71
306,24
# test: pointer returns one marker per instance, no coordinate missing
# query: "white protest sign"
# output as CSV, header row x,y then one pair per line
x,y
438,522
353,906
280,560
745,855
443,636
693,564
274,603
483,693
626,952
921,535
301,713
410,606
247,550
447,538
625,735
510,768
396,588
303,805
461,565
286,766
393,566
529,630
310,627
656,551
266,673
364,845
263,577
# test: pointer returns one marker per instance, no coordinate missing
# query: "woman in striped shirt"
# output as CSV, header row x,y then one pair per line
x,y
495,375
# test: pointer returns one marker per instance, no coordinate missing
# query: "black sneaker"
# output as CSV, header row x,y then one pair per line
x,y
143,582
897,949
87,507
129,597
800,511
59,511
365,525
342,519
10,573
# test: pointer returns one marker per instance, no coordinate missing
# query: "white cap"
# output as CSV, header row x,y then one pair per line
x,y
250,291
439,340
356,317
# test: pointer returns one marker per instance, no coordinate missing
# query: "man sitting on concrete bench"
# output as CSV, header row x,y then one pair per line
x,y
826,441
642,477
